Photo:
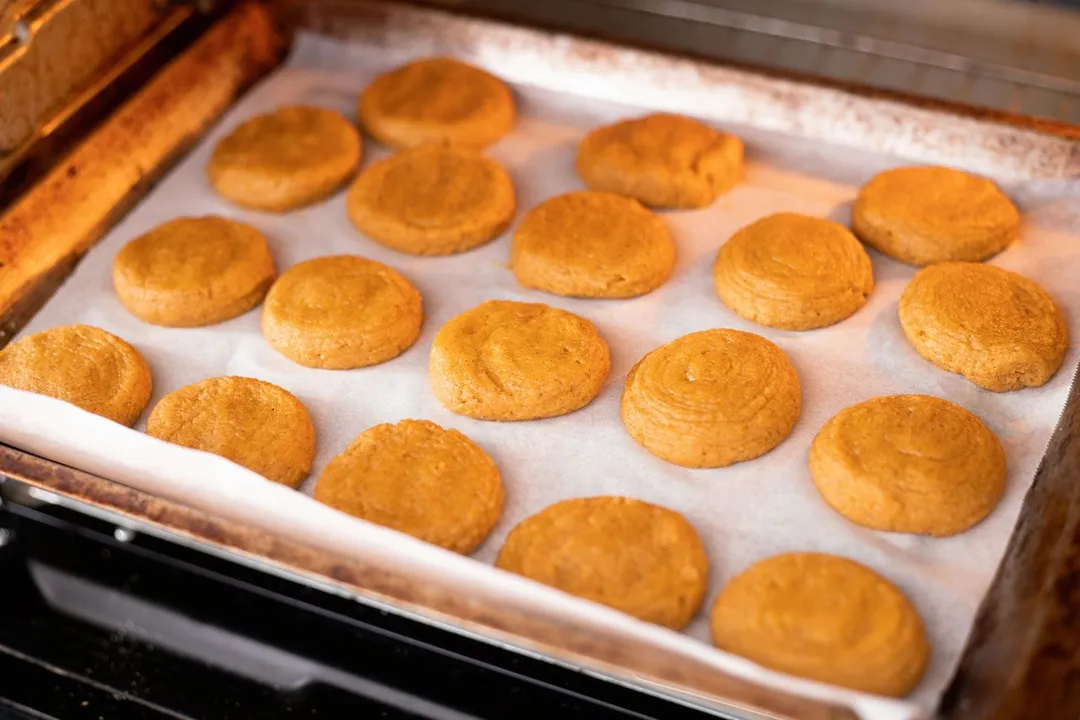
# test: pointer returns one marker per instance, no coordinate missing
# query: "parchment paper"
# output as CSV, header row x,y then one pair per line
x,y
744,513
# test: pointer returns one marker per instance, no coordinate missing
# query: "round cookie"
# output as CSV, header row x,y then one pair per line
x,y
592,244
793,272
419,479
82,365
644,560
286,159
909,463
253,423
432,201
711,399
341,312
824,618
191,272
926,215
436,100
506,360
665,161
996,328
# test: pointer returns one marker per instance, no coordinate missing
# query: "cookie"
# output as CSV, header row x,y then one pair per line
x,y
909,463
644,560
193,271
253,423
437,100
286,159
419,479
711,399
506,360
665,161
82,365
793,272
432,201
926,215
996,328
341,312
592,244
824,618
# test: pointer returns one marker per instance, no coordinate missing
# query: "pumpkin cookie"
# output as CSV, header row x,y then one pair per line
x,y
432,201
793,272
251,422
82,365
341,312
711,398
286,159
193,271
642,559
419,479
909,463
996,328
925,215
665,161
507,360
437,100
825,618
592,244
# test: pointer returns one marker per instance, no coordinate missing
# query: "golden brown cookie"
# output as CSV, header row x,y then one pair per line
x,y
432,201
341,312
996,328
419,479
82,365
437,100
592,244
642,559
925,215
286,159
666,161
909,463
253,423
506,360
825,618
793,272
711,398
193,271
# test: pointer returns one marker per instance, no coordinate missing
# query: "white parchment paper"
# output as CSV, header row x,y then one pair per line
x,y
744,513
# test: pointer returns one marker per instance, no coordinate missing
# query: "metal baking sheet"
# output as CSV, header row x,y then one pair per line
x,y
565,87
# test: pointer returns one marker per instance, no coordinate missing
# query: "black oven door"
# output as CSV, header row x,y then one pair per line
x,y
100,622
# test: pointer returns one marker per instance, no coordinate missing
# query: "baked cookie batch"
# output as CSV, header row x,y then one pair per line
x,y
905,463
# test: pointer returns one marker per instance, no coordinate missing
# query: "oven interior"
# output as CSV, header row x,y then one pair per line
x,y
98,620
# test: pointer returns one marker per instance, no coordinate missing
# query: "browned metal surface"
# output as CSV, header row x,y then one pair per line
x,y
22,311
580,645
72,207
1023,656
74,112
51,48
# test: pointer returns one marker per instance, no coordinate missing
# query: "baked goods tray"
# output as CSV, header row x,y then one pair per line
x,y
809,149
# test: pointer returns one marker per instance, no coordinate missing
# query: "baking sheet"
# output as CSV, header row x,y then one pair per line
x,y
744,513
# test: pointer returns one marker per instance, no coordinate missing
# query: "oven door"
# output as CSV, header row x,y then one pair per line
x,y
99,620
